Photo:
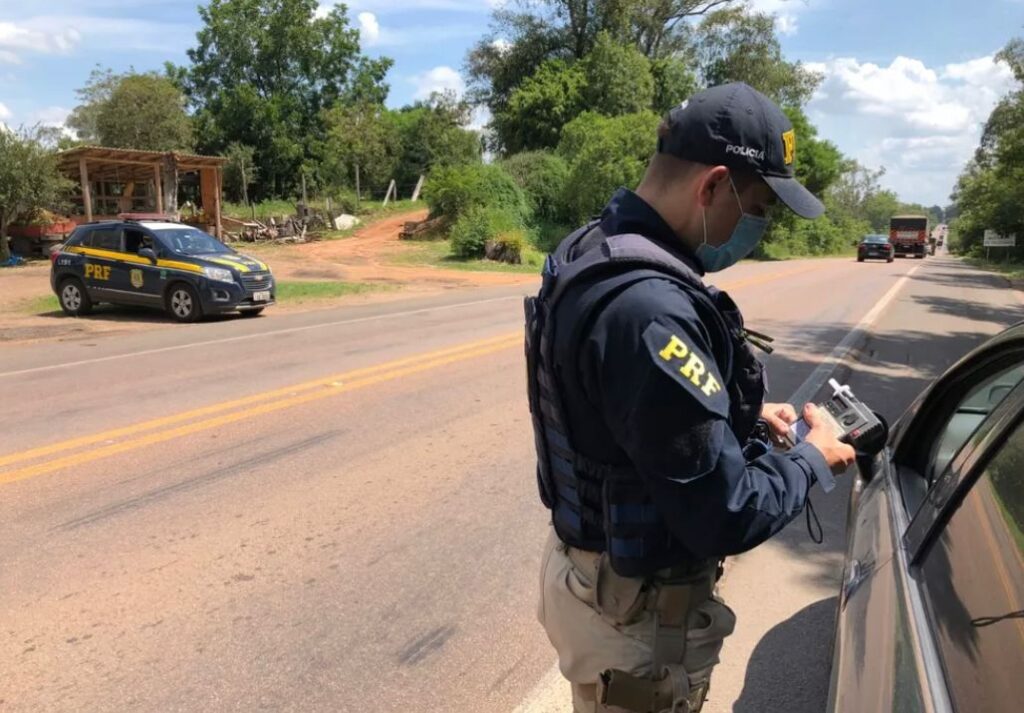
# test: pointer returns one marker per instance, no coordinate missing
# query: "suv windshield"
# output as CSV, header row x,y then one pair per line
x,y
190,241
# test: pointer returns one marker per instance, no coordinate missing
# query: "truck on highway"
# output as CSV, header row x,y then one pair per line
x,y
909,235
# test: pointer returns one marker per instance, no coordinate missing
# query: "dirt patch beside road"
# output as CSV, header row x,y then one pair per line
x,y
364,257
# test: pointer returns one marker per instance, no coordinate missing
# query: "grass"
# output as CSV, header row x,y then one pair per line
x,y
300,291
266,210
41,305
438,253
1013,270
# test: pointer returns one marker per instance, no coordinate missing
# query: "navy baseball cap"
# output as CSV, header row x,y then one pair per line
x,y
737,126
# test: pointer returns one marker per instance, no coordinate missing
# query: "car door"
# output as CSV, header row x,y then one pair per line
x,y
890,653
104,274
145,279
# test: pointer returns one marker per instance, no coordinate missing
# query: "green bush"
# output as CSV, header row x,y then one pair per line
x,y
604,154
453,191
543,177
479,225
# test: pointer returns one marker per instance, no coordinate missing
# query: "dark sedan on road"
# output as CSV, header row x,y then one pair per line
x,y
931,612
875,247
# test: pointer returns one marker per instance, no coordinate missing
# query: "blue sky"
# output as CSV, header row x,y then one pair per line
x,y
908,83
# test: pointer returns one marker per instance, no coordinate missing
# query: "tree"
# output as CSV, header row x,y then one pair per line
x,y
737,45
540,108
618,78
819,164
240,172
990,191
433,133
362,148
674,81
262,74
604,153
131,110
29,177
84,119
527,33
145,112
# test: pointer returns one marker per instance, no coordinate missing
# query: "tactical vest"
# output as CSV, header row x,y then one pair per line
x,y
605,506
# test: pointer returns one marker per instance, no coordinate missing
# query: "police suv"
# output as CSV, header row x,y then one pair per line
x,y
162,264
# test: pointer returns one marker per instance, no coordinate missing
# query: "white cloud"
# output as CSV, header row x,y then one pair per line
x,y
437,79
20,38
369,28
5,113
922,123
787,12
54,116
787,24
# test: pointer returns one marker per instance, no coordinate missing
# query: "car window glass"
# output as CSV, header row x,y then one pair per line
x,y
973,577
106,239
135,240
969,415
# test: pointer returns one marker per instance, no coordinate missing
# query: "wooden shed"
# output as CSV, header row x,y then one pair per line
x,y
118,181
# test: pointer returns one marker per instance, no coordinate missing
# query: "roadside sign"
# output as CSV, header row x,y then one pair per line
x,y
995,240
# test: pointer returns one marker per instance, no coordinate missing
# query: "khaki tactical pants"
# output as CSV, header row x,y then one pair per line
x,y
599,621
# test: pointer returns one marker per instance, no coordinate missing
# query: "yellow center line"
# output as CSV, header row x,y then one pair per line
x,y
761,279
164,421
185,423
328,390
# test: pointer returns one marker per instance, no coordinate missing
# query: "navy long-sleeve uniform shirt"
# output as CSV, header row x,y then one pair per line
x,y
630,399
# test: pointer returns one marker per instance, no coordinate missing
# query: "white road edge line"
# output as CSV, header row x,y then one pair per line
x,y
820,375
257,335
551,694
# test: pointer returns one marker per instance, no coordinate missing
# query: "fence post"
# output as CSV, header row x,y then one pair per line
x,y
419,187
392,188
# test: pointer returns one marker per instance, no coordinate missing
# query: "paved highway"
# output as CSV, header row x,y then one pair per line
x,y
336,511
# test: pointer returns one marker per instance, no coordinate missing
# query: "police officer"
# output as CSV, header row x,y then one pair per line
x,y
648,410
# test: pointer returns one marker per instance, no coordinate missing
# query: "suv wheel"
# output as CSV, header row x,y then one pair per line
x,y
74,300
183,303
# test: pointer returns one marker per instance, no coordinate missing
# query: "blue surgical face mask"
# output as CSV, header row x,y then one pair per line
x,y
745,237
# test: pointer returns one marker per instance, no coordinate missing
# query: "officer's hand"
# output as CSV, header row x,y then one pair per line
x,y
779,417
837,454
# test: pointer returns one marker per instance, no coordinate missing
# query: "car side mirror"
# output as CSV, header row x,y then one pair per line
x,y
148,254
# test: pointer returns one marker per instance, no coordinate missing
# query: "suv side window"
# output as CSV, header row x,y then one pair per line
x,y
970,414
973,581
950,435
135,240
106,239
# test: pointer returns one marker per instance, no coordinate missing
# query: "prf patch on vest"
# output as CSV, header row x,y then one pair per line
x,y
675,354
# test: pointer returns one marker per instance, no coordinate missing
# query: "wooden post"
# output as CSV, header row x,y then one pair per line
x,y
83,170
419,187
216,203
392,188
245,184
357,186
159,188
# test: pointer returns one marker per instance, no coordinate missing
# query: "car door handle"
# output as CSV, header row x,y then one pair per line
x,y
856,575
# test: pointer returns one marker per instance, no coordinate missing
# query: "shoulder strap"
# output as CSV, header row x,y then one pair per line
x,y
620,252
618,255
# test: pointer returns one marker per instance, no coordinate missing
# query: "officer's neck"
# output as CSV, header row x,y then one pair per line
x,y
681,215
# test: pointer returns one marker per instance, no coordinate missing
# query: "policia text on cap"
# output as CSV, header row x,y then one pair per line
x,y
649,416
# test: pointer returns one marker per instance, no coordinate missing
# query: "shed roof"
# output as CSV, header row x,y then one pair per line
x,y
107,163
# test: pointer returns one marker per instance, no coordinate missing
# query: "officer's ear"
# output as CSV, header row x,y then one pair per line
x,y
709,183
